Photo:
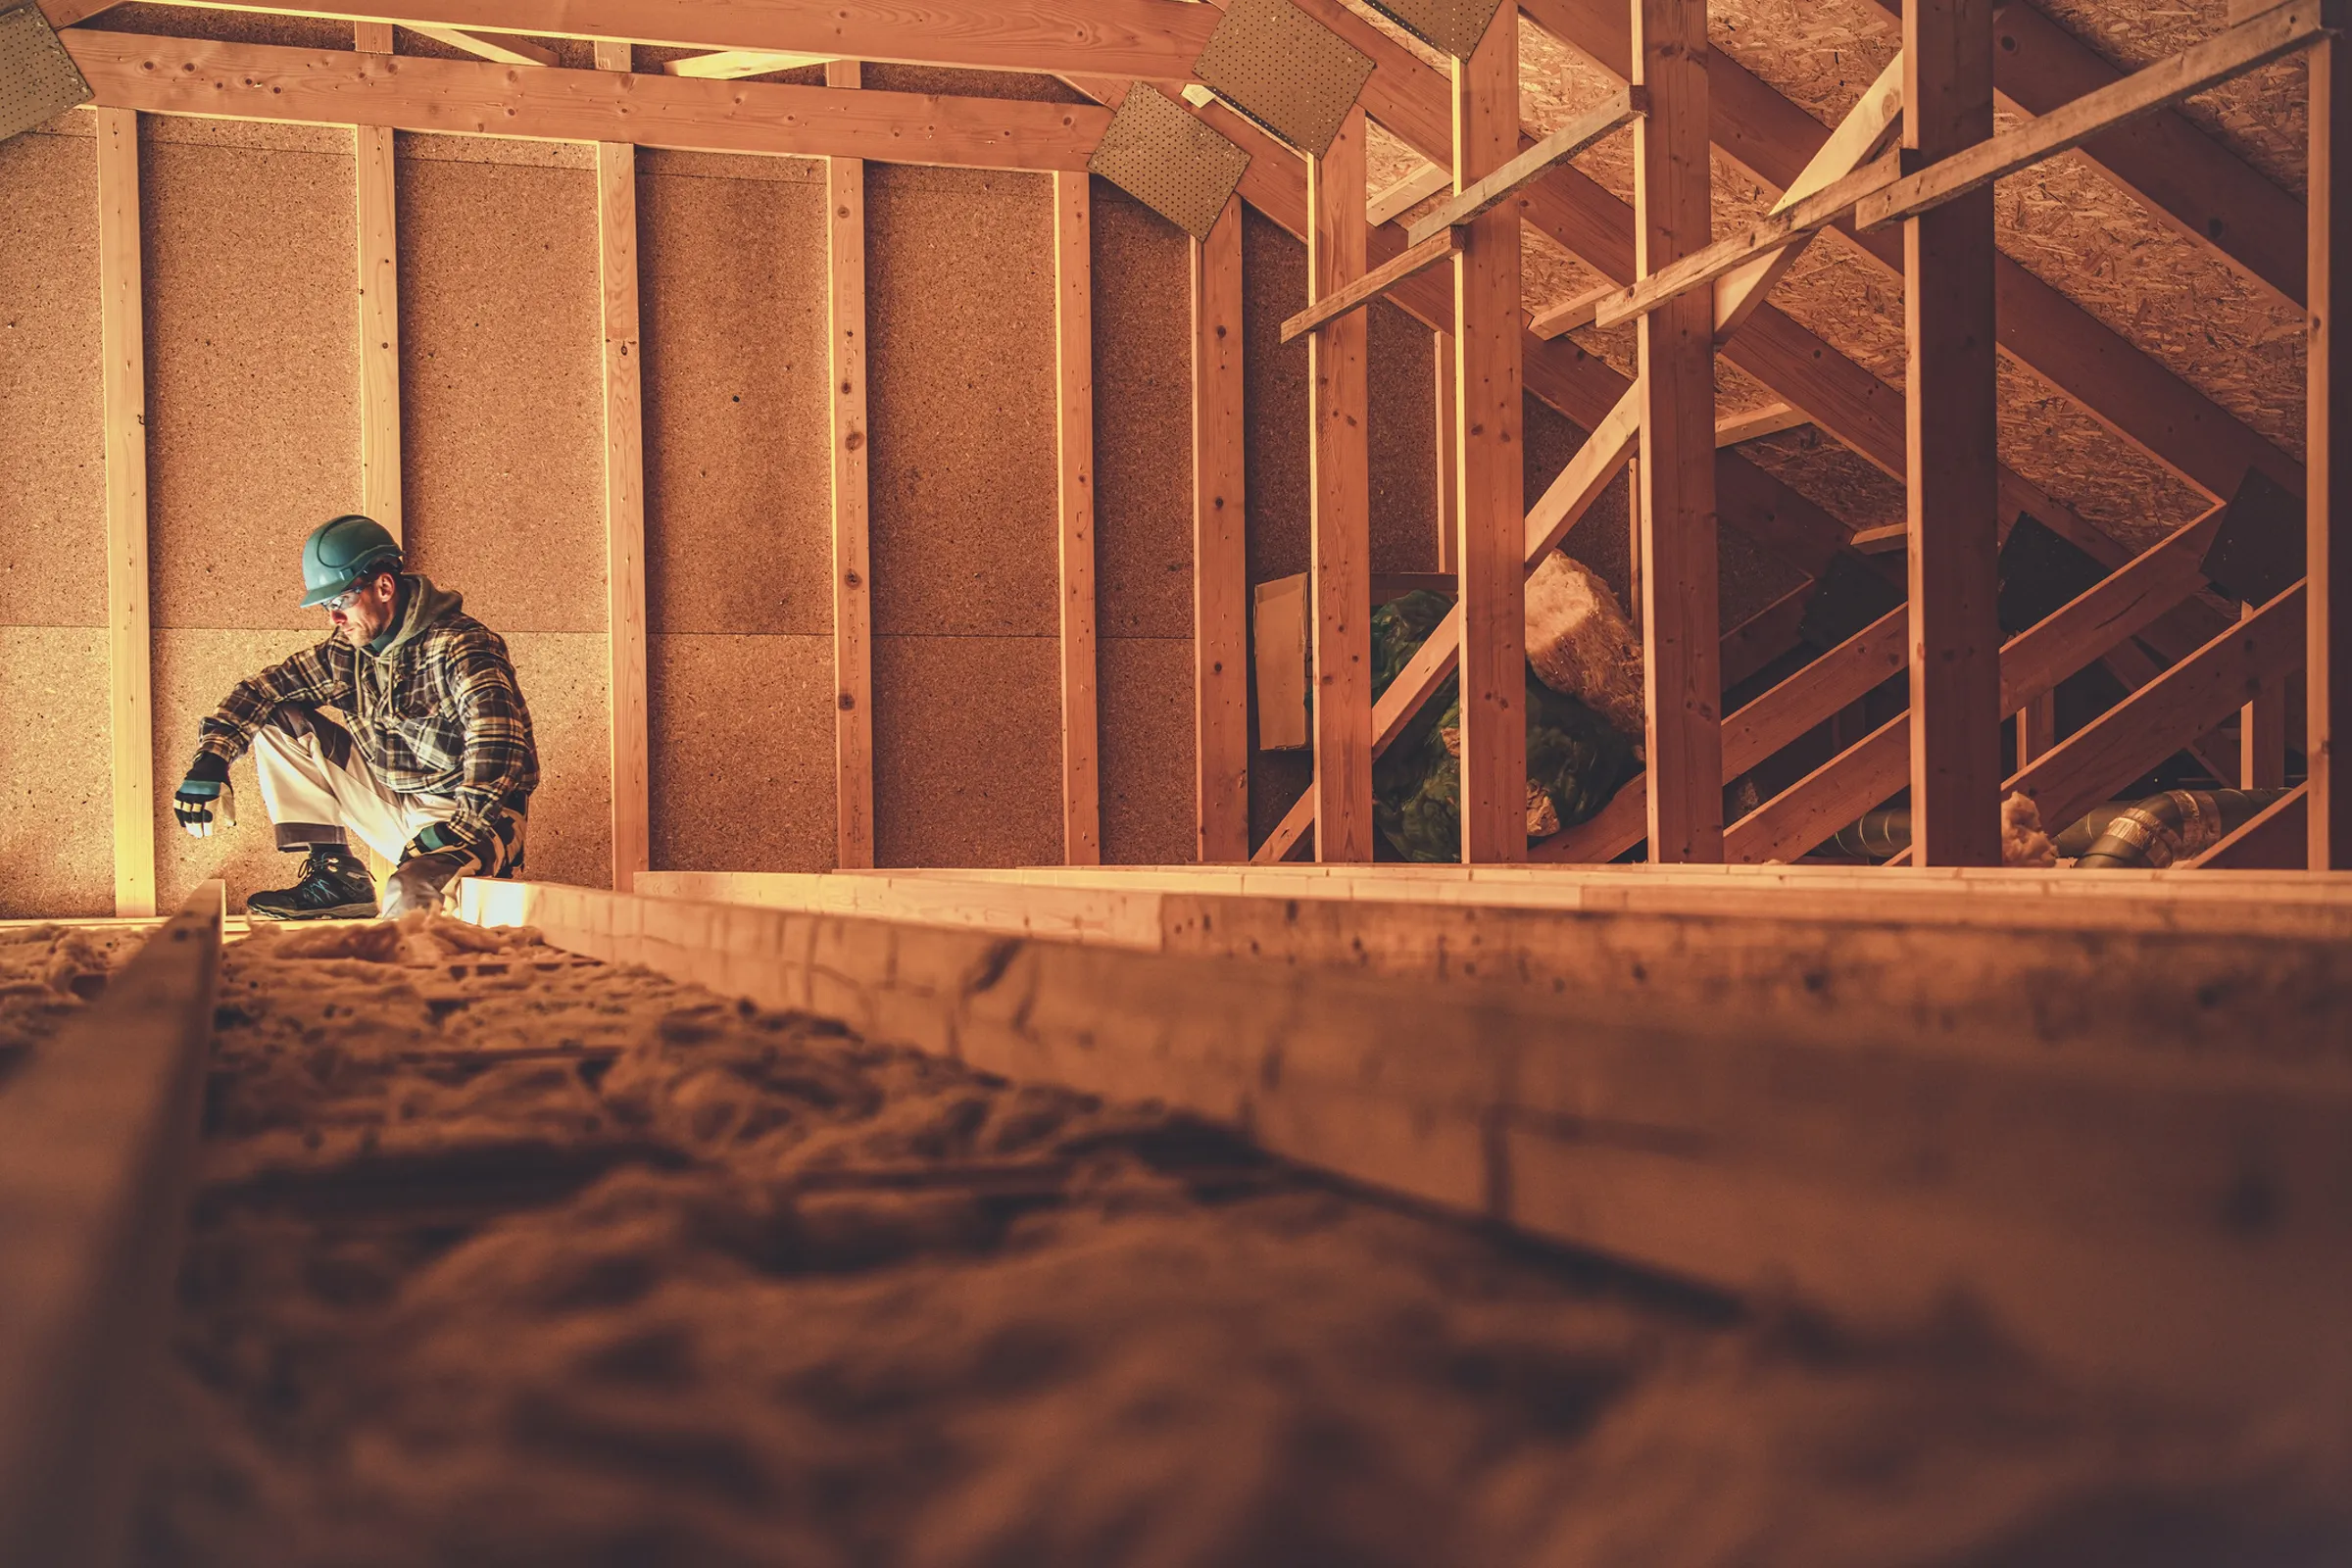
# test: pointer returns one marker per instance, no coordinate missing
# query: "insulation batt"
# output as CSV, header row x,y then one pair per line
x,y
506,1259
1581,643
2023,842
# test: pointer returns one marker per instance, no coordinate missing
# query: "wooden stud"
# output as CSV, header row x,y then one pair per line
x,y
852,568
1221,557
1675,346
2036,727
1448,477
474,98
1491,457
2327,410
121,332
1339,458
1952,461
624,495
1075,468
379,308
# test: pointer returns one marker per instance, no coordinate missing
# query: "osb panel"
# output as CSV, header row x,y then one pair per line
x,y
228,26
52,431
252,375
1143,422
1821,54
737,477
742,785
564,677
502,375
192,671
1847,486
1146,737
2263,115
960,397
56,854
2050,441
2204,321
968,751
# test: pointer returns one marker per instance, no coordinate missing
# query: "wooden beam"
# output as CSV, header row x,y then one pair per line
x,y
1484,195
731,64
473,98
1953,485
852,568
624,496
123,347
2117,384
1756,424
1155,39
1491,496
1074,488
98,1162
2161,85
1675,349
2121,605
1220,555
1566,316
1407,193
503,50
1782,229
1448,454
2327,437
2278,838
379,307
1442,246
1341,519
2184,703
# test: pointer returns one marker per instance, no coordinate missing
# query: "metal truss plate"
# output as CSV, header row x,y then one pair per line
x,y
1452,25
1169,160
1284,69
38,79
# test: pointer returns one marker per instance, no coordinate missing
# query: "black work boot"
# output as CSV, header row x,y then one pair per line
x,y
334,886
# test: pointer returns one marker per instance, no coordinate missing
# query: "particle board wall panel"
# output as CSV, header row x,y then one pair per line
x,y
968,735
52,440
192,669
737,785
253,377
963,518
56,854
732,271
502,370
1404,437
1147,749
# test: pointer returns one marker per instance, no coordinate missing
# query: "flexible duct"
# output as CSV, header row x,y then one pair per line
x,y
2158,831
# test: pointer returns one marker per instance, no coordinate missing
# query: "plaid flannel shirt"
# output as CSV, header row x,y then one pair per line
x,y
439,714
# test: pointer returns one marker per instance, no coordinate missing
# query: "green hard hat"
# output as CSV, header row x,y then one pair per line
x,y
340,551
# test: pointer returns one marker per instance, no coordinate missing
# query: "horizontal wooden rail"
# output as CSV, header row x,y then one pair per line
x,y
1782,227
1567,317
2242,49
2071,1193
1442,246
1403,197
1148,38
1623,107
97,1147
473,98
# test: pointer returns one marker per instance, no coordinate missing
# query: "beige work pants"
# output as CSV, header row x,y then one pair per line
x,y
319,789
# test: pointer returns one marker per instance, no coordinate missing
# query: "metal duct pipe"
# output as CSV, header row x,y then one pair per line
x,y
2155,832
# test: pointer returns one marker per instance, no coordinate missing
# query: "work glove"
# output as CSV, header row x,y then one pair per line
x,y
434,858
204,802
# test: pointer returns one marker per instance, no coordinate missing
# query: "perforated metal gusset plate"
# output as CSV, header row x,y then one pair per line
x,y
1284,69
38,79
1169,160
1454,25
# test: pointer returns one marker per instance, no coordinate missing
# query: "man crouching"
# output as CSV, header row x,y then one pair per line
x,y
405,727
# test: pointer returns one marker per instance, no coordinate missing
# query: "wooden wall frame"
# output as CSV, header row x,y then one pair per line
x,y
624,495
380,307
1074,485
1338,460
1221,555
130,635
853,562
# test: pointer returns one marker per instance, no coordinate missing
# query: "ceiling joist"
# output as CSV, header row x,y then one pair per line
x,y
1155,39
453,97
